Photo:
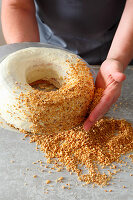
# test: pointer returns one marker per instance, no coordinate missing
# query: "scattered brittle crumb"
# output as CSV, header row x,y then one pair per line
x,y
100,145
34,176
97,96
51,185
48,181
59,179
110,190
58,170
63,187
12,161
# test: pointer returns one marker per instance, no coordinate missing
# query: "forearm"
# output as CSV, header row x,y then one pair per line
x,y
122,45
19,24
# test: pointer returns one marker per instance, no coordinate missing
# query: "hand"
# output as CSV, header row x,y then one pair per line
x,y
110,77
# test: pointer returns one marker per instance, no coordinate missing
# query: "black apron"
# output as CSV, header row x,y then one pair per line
x,y
85,27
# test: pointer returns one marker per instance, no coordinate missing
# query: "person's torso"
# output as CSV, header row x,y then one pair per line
x,y
75,20
87,18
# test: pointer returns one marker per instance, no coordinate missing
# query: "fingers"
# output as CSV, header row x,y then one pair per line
x,y
110,77
98,112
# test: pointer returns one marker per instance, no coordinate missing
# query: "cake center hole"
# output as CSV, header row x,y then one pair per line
x,y
44,85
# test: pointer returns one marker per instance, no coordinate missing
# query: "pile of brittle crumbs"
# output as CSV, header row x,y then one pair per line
x,y
104,144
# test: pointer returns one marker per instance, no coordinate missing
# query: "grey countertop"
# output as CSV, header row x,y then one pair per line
x,y
17,156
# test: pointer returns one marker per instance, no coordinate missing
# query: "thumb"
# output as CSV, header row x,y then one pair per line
x,y
117,70
118,76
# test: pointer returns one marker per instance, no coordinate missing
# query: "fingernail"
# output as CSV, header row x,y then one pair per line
x,y
87,125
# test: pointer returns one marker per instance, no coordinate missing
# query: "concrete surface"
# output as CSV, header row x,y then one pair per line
x,y
17,170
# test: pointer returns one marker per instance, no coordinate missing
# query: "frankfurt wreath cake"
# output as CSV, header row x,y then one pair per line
x,y
36,111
